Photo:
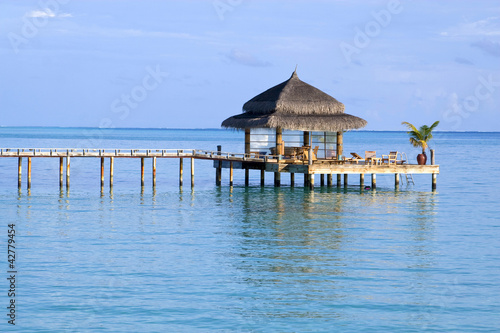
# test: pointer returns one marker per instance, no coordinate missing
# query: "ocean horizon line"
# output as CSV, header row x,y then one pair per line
x,y
218,129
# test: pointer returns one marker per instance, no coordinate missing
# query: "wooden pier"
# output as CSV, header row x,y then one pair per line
x,y
273,164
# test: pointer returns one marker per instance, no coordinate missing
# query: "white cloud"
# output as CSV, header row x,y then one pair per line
x,y
487,27
46,13
246,59
488,46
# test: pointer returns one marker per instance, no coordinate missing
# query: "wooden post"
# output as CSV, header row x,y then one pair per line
x,y
111,170
247,151
311,181
231,173
218,171
292,179
362,180
277,179
279,142
142,171
29,172
322,180
329,180
306,138
345,179
396,180
19,171
262,177
339,152
154,171
434,176
67,170
306,179
340,145
374,181
102,172
192,172
181,170
247,140
61,171
310,154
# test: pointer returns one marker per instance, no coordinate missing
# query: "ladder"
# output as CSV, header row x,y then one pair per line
x,y
408,176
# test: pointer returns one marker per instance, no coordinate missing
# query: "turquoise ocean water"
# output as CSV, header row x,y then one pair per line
x,y
221,259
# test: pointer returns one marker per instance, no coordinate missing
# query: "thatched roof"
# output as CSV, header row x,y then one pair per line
x,y
294,105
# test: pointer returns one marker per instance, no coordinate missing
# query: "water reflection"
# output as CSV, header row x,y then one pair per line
x,y
311,251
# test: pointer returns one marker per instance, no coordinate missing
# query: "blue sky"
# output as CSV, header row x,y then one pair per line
x,y
191,64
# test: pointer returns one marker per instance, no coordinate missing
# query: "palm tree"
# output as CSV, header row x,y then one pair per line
x,y
420,137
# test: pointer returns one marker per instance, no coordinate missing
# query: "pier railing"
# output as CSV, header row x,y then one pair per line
x,y
123,152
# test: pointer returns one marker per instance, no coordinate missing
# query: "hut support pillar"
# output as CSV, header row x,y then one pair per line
x,y
362,180
434,176
247,151
67,170
277,179
111,171
61,171
306,138
29,173
192,172
339,180
311,181
374,181
19,171
329,180
340,145
322,180
306,180
292,179
247,140
231,173
279,142
142,171
345,179
181,170
396,180
153,165
262,177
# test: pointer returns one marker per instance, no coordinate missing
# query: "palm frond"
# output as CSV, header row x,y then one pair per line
x,y
420,137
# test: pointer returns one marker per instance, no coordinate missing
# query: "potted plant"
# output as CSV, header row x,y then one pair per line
x,y
420,138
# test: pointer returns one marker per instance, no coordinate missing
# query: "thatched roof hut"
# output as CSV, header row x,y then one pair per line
x,y
294,105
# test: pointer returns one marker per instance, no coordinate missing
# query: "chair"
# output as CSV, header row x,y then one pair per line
x,y
371,157
314,154
391,158
355,158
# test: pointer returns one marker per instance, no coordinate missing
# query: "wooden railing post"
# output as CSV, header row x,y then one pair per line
x,y
19,171
218,170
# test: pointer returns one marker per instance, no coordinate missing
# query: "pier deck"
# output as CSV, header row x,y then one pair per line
x,y
221,160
